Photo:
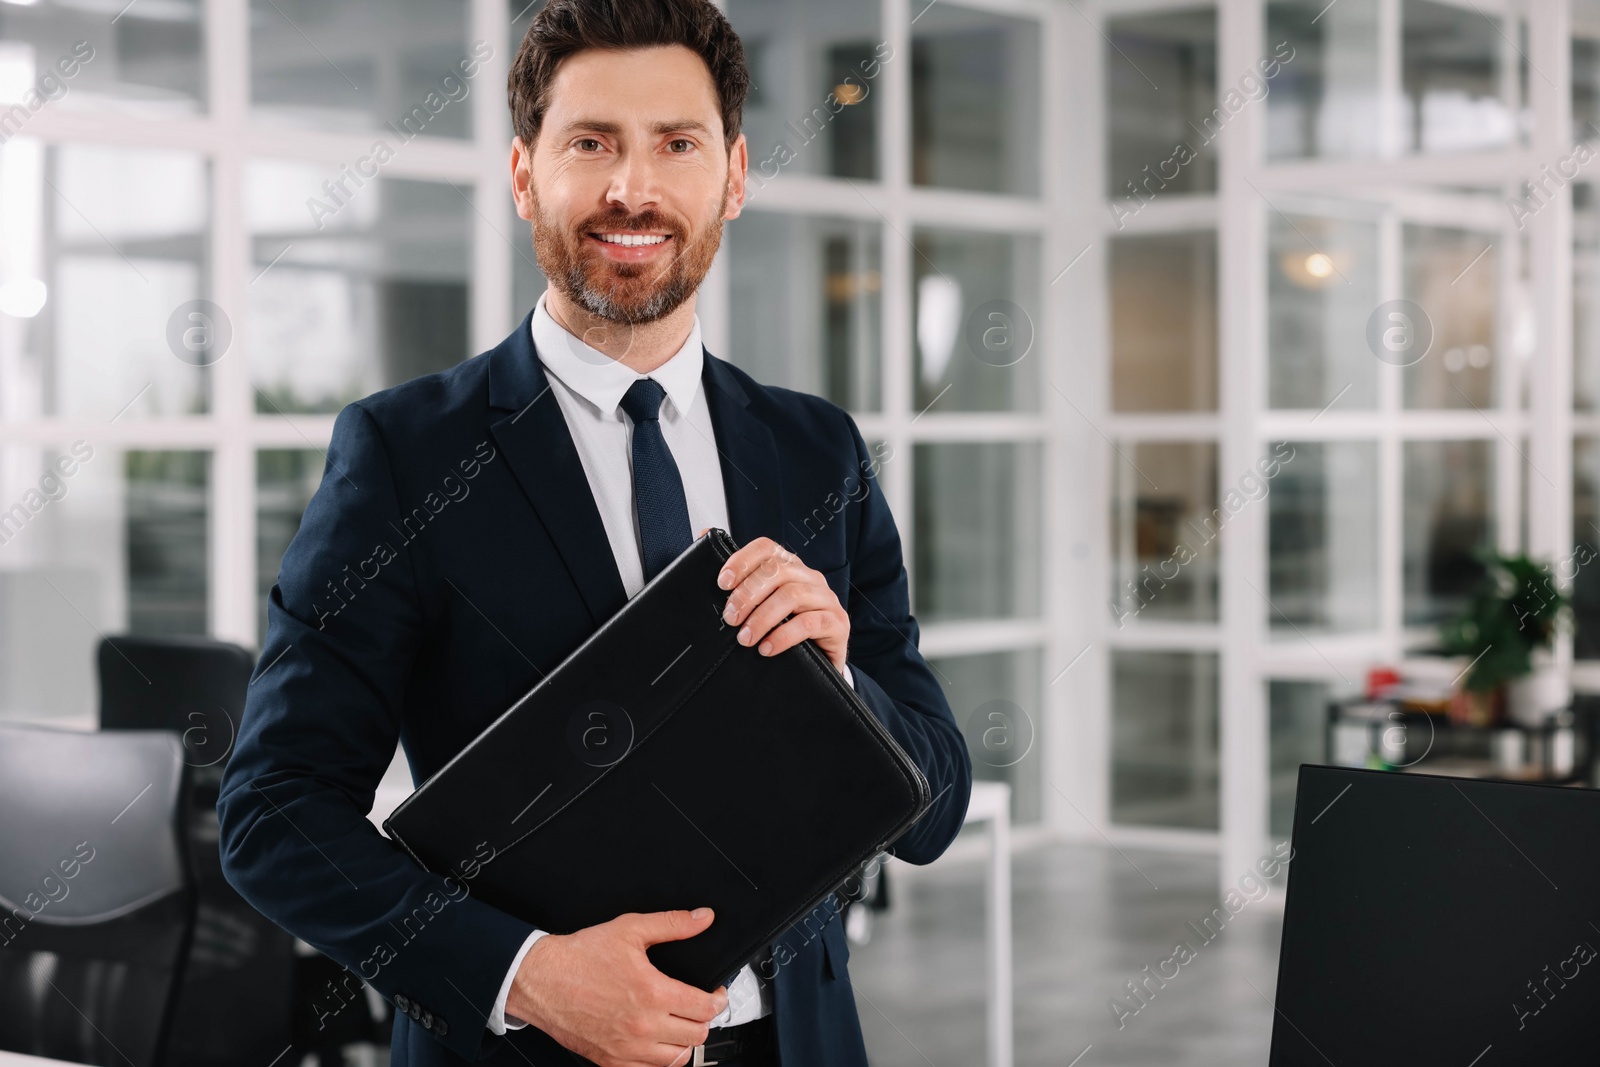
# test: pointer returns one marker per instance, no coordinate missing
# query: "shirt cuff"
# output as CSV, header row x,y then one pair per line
x,y
499,1021
849,678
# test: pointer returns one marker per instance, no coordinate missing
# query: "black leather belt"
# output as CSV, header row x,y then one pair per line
x,y
727,1044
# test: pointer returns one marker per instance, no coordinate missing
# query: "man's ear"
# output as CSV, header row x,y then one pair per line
x,y
738,161
522,178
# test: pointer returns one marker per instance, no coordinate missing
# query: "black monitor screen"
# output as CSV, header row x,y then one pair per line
x,y
1440,921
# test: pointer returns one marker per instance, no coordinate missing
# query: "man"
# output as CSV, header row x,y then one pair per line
x,y
474,526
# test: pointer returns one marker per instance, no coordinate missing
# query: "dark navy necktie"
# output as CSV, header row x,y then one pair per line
x,y
657,489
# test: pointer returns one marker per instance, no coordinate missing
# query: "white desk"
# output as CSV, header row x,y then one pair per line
x,y
17,1059
991,803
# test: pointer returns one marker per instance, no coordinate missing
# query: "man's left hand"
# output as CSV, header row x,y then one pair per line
x,y
770,584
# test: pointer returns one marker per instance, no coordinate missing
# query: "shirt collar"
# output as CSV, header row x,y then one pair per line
x,y
601,380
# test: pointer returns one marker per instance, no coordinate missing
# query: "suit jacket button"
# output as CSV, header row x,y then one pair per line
x,y
440,1028
427,1020
415,1011
401,1002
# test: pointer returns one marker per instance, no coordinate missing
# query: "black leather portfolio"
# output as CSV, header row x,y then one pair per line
x,y
663,765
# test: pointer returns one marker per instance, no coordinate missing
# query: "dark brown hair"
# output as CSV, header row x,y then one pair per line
x,y
568,26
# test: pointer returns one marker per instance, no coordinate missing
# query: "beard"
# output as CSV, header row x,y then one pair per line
x,y
628,294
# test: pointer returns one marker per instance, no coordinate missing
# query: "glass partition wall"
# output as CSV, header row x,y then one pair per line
x,y
1358,375
233,217
1111,289
220,222
892,258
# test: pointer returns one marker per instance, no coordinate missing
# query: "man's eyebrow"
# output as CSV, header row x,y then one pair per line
x,y
662,127
592,125
681,126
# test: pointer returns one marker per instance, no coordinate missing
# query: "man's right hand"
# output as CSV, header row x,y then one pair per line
x,y
597,993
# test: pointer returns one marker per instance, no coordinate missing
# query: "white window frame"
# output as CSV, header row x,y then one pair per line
x,y
1245,428
226,135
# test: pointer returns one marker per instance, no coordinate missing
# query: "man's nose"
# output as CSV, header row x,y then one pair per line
x,y
635,182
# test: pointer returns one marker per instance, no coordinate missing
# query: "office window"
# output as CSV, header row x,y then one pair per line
x,y
1297,725
1164,322
1322,276
1324,102
1458,93
1164,724
976,531
1322,537
166,541
249,292
1452,274
1585,590
1161,105
815,103
286,479
975,101
109,58
929,322
976,311
94,541
396,68
806,307
1405,465
102,281
1585,298
350,295
1165,525
997,701
1449,489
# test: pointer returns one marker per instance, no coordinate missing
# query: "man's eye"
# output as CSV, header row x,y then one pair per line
x,y
588,144
682,144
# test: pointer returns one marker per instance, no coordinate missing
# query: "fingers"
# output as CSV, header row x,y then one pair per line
x,y
794,598
812,624
759,555
682,1059
691,1004
778,605
769,585
772,574
681,1032
656,926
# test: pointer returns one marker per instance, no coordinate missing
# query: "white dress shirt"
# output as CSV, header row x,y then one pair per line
x,y
589,386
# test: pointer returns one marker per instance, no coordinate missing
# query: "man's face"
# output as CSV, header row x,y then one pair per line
x,y
628,182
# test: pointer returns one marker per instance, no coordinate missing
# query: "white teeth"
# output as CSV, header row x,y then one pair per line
x,y
629,240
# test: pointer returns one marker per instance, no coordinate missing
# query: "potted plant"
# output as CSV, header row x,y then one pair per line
x,y
1507,631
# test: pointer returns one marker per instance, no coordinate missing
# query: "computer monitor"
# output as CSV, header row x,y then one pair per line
x,y
1434,920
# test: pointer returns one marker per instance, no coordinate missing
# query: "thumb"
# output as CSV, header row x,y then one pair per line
x,y
654,927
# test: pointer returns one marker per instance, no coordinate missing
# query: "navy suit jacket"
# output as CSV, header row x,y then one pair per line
x,y
454,553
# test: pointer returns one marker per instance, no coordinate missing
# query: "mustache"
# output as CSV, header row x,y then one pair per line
x,y
622,220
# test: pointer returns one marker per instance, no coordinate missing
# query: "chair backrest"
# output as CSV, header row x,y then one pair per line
x,y
194,688
96,901
193,685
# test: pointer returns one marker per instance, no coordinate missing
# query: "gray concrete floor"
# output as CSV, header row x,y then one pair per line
x,y
1086,922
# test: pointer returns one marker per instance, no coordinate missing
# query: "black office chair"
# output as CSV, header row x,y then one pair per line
x,y
97,900
192,685
195,688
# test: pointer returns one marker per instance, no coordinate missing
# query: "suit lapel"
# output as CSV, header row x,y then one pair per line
x,y
539,450
752,480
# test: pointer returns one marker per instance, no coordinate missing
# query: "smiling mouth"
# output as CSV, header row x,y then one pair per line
x,y
632,240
